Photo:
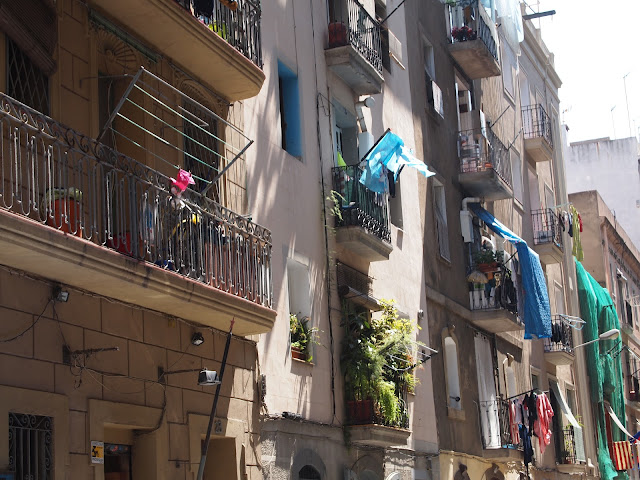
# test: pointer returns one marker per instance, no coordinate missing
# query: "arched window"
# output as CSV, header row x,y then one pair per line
x,y
308,473
453,379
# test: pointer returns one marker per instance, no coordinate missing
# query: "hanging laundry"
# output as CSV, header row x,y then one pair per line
x,y
621,455
526,445
180,184
580,222
537,311
513,424
389,154
542,426
577,228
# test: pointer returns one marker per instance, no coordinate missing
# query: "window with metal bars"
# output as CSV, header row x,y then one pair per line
x,y
25,81
201,150
31,446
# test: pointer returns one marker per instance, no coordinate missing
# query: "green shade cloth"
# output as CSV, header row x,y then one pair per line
x,y
603,364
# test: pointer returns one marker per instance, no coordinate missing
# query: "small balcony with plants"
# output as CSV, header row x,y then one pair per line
x,y
361,216
354,51
474,39
485,165
547,236
378,360
536,128
78,212
498,443
493,298
216,41
558,350
570,450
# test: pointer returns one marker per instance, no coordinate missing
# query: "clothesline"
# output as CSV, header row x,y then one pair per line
x,y
533,390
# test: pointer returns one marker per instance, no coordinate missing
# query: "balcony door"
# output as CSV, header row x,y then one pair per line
x,y
488,399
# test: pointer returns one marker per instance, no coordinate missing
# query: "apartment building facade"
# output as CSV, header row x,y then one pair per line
x,y
611,258
337,81
495,148
118,287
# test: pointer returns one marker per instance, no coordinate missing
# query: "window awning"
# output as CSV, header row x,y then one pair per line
x,y
577,429
537,311
617,421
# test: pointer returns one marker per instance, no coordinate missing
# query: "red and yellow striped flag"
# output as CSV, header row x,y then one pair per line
x,y
621,453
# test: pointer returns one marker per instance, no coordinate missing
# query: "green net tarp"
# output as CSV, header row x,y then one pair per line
x,y
603,364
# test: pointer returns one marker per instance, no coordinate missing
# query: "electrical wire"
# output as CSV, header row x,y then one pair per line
x,y
33,324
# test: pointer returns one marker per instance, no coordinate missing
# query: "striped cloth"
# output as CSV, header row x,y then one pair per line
x,y
621,455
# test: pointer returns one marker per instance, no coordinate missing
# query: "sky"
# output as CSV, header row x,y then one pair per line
x,y
595,46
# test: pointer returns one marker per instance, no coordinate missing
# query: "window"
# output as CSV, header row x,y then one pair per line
x,y
290,120
309,473
31,446
117,461
25,81
516,169
201,148
299,288
434,94
453,376
559,294
395,205
440,209
509,69
381,14
535,381
510,378
488,402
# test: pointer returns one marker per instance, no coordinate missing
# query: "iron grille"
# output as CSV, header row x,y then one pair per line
x,y
351,277
30,446
25,81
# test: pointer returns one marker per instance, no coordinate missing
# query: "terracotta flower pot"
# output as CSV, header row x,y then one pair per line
x,y
298,354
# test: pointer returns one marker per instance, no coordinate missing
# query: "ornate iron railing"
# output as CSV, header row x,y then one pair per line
x,y
473,24
536,123
31,446
567,454
547,228
358,205
65,180
350,23
561,337
482,150
495,426
498,292
240,28
369,412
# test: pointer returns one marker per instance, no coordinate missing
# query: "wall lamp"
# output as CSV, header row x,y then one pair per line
x,y
197,339
608,335
60,295
206,377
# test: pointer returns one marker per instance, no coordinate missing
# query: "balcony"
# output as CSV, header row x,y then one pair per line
x,y
547,236
228,39
485,165
77,212
355,49
368,427
536,127
569,451
363,220
497,442
494,304
474,40
558,350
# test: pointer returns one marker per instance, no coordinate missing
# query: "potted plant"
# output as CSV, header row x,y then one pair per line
x,y
302,338
462,34
62,207
486,260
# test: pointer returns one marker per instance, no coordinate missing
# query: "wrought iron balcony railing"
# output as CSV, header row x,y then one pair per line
x,y
370,412
561,336
498,293
482,150
350,23
358,205
495,426
536,123
475,25
567,454
546,228
56,176
240,28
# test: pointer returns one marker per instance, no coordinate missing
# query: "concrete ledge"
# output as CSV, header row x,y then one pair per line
x,y
29,246
366,245
354,69
378,435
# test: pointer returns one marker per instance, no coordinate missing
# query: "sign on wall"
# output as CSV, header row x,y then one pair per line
x,y
97,452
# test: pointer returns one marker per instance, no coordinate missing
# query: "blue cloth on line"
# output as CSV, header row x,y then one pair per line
x,y
389,154
537,311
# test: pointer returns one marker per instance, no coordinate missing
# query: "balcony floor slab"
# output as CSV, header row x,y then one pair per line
x,y
347,63
496,320
31,247
378,435
357,240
